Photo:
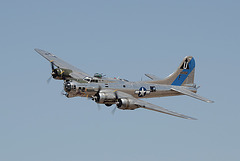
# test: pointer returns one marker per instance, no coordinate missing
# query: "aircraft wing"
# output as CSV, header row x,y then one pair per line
x,y
76,73
149,106
190,93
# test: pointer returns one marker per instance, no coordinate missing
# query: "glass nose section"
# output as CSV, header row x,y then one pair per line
x,y
68,86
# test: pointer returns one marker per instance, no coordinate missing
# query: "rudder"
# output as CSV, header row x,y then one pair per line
x,y
185,73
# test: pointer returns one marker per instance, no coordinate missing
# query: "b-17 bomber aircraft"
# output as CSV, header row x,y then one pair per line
x,y
124,94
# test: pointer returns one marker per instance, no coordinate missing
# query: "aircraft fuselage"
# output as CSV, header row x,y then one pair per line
x,y
136,89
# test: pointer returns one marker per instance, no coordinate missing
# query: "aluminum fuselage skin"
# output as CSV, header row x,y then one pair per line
x,y
152,90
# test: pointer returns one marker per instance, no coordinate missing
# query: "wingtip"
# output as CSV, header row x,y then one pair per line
x,y
38,50
188,117
209,101
192,118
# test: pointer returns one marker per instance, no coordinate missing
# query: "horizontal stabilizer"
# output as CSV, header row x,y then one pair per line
x,y
191,94
153,77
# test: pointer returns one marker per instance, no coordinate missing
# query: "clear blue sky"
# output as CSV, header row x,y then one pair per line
x,y
125,39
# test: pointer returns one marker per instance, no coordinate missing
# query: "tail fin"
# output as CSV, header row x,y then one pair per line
x,y
183,75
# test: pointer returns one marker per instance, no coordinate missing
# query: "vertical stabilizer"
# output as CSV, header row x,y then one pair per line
x,y
183,75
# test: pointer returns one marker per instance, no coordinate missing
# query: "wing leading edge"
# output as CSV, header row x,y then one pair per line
x,y
76,73
153,107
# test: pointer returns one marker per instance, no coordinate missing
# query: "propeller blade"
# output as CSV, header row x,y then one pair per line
x,y
116,95
114,110
99,89
49,79
99,107
63,92
52,65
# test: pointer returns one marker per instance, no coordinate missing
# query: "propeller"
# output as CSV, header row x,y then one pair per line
x,y
96,96
52,65
116,95
52,74
49,79
117,98
99,89
114,110
99,107
64,93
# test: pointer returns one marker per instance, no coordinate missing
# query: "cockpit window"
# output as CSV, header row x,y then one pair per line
x,y
89,79
94,80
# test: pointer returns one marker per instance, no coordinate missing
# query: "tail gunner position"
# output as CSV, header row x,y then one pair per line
x,y
124,94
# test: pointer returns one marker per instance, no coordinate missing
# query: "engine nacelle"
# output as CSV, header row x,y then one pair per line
x,y
61,74
69,86
126,104
105,98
